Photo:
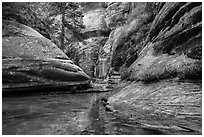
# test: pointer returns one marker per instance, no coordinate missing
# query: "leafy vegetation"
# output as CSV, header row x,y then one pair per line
x,y
58,21
136,30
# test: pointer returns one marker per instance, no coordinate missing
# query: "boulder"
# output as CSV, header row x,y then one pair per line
x,y
29,60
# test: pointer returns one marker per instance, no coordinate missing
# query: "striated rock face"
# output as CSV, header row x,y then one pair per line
x,y
173,46
121,44
166,89
169,106
30,60
126,41
174,36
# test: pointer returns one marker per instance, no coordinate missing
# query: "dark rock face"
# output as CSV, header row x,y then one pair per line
x,y
173,36
30,60
165,92
127,40
173,46
122,44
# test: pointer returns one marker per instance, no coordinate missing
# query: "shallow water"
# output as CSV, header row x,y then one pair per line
x,y
47,114
64,114
86,114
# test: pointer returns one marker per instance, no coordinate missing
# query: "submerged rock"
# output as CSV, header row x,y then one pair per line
x,y
30,60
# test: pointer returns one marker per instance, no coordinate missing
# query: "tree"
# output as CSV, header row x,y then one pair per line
x,y
58,21
28,14
68,17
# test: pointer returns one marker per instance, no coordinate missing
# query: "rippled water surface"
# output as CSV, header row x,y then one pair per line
x,y
65,114
47,114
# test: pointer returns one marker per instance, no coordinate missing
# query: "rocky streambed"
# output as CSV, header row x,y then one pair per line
x,y
106,113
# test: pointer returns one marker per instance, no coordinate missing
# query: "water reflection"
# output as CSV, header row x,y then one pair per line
x,y
67,114
56,114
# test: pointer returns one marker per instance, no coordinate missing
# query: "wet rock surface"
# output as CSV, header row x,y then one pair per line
x,y
173,107
163,88
65,114
30,60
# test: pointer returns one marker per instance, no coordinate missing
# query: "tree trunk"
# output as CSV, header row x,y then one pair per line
x,y
63,28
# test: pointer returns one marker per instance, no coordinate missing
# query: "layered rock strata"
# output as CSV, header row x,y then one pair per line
x,y
29,60
163,88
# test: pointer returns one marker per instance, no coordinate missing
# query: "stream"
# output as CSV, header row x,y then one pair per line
x,y
63,114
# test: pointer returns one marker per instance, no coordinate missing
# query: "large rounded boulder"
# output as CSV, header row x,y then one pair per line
x,y
29,60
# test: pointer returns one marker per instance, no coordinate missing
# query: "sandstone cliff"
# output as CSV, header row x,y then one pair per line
x,y
162,68
32,61
173,45
137,19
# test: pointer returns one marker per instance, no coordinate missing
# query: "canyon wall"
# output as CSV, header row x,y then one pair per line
x,y
159,55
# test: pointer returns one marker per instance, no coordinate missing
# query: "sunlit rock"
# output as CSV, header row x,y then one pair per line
x,y
94,19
